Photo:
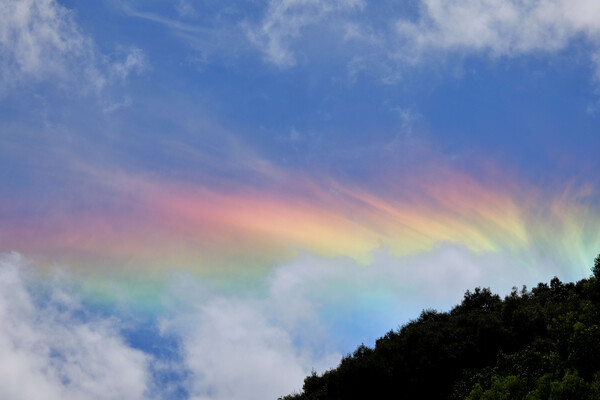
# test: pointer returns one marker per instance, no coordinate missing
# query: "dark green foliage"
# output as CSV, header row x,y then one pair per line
x,y
537,345
596,268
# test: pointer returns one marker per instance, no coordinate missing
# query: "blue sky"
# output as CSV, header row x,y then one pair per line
x,y
323,89
468,117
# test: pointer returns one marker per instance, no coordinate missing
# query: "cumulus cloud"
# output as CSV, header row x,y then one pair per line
x,y
251,343
231,345
47,352
261,344
40,40
235,346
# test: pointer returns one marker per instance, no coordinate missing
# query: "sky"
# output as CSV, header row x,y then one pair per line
x,y
209,200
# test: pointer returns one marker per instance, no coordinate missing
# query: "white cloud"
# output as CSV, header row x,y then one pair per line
x,y
251,343
135,61
284,21
499,27
257,345
388,44
236,347
41,41
46,352
309,292
385,39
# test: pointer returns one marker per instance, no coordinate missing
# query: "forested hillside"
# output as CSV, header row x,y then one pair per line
x,y
538,344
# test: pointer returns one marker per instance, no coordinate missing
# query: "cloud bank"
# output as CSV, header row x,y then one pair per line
x,y
54,346
255,342
49,352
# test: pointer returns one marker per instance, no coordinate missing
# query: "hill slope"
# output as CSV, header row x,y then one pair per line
x,y
538,344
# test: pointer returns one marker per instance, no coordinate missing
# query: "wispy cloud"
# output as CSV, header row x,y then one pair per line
x,y
40,40
212,33
494,28
284,21
185,9
357,35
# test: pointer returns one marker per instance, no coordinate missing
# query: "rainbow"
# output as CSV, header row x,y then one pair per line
x,y
151,226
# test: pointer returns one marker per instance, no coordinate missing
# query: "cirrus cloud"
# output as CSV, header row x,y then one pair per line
x,y
40,40
284,21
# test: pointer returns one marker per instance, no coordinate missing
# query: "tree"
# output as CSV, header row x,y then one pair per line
x,y
506,388
596,269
